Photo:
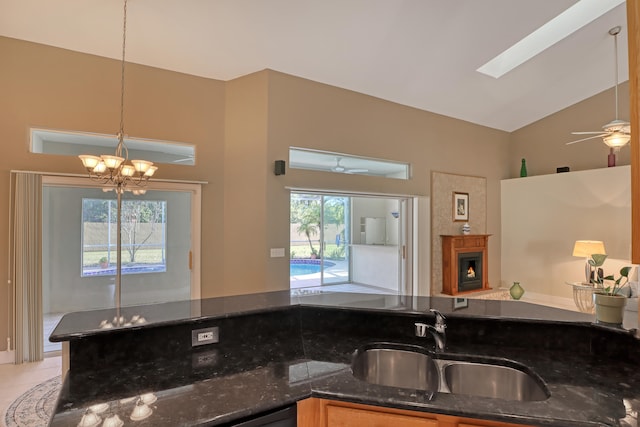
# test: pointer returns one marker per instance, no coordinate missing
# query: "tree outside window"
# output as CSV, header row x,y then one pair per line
x,y
143,236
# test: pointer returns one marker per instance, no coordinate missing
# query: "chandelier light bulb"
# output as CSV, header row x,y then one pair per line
x,y
150,171
112,162
100,168
127,170
141,165
89,162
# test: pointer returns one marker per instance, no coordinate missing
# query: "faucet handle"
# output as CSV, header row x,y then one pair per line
x,y
440,320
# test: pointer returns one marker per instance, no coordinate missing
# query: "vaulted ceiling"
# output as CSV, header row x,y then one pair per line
x,y
420,53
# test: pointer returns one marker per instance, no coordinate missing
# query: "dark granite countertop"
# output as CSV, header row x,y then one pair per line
x,y
275,350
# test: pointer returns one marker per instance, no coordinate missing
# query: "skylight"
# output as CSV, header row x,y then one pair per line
x,y
569,21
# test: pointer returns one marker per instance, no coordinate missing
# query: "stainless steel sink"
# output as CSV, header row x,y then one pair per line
x,y
412,367
502,382
396,366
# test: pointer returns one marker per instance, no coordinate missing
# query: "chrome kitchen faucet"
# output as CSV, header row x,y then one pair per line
x,y
438,331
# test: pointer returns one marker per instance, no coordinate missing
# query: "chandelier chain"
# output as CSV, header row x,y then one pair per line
x,y
116,171
122,69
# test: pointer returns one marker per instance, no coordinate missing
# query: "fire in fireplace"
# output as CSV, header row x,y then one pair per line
x,y
469,271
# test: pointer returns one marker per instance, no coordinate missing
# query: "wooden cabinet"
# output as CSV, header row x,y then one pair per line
x,y
455,245
315,412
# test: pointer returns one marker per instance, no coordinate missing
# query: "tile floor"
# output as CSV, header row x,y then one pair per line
x,y
16,379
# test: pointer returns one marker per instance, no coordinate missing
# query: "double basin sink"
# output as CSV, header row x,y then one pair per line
x,y
412,367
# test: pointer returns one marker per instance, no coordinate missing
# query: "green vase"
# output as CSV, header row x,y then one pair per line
x,y
516,291
523,168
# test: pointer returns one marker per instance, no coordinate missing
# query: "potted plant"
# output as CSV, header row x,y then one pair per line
x,y
104,263
608,300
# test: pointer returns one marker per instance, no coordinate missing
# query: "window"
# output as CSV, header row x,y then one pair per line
x,y
143,236
305,158
71,143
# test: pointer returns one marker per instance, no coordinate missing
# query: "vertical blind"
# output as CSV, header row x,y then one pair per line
x,y
26,266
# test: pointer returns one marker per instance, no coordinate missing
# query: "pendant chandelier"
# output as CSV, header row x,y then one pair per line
x,y
115,170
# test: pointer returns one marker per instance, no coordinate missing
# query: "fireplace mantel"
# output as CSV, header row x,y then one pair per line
x,y
452,247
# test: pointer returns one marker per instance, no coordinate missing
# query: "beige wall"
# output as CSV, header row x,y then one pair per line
x,y
240,128
309,114
543,216
543,143
60,89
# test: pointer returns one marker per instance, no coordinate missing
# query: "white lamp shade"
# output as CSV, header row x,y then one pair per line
x,y
141,165
89,419
148,398
88,161
150,171
616,139
141,411
112,162
127,170
586,248
113,421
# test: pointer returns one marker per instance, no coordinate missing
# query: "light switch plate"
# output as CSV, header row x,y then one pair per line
x,y
277,252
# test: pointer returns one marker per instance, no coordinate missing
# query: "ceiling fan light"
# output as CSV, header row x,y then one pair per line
x,y
616,139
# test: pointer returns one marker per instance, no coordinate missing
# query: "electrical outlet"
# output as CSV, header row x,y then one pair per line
x,y
205,336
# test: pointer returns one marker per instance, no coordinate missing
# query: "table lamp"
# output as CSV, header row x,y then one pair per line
x,y
586,248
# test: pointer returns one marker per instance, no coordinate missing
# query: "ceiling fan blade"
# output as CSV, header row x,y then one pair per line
x,y
186,159
356,170
585,139
586,133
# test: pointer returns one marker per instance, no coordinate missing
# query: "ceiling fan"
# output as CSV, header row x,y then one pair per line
x,y
188,159
341,169
617,132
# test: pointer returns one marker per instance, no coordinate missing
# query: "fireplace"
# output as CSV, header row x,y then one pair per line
x,y
469,271
464,263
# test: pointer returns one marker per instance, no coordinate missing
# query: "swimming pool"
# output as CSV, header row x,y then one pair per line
x,y
300,267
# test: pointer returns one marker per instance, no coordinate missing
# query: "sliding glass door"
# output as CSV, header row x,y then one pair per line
x,y
335,239
351,243
79,248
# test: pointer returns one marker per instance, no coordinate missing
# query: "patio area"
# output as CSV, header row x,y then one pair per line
x,y
336,279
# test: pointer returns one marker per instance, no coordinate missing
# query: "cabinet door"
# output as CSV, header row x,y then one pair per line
x,y
338,416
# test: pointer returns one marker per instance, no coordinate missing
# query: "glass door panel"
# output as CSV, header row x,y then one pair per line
x,y
335,240
79,249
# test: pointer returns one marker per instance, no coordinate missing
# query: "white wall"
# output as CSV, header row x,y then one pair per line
x,y
543,216
375,265
373,207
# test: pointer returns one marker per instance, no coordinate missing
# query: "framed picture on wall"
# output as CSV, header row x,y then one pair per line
x,y
460,206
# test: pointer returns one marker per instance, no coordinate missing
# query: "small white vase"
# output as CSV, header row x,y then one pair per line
x,y
466,228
